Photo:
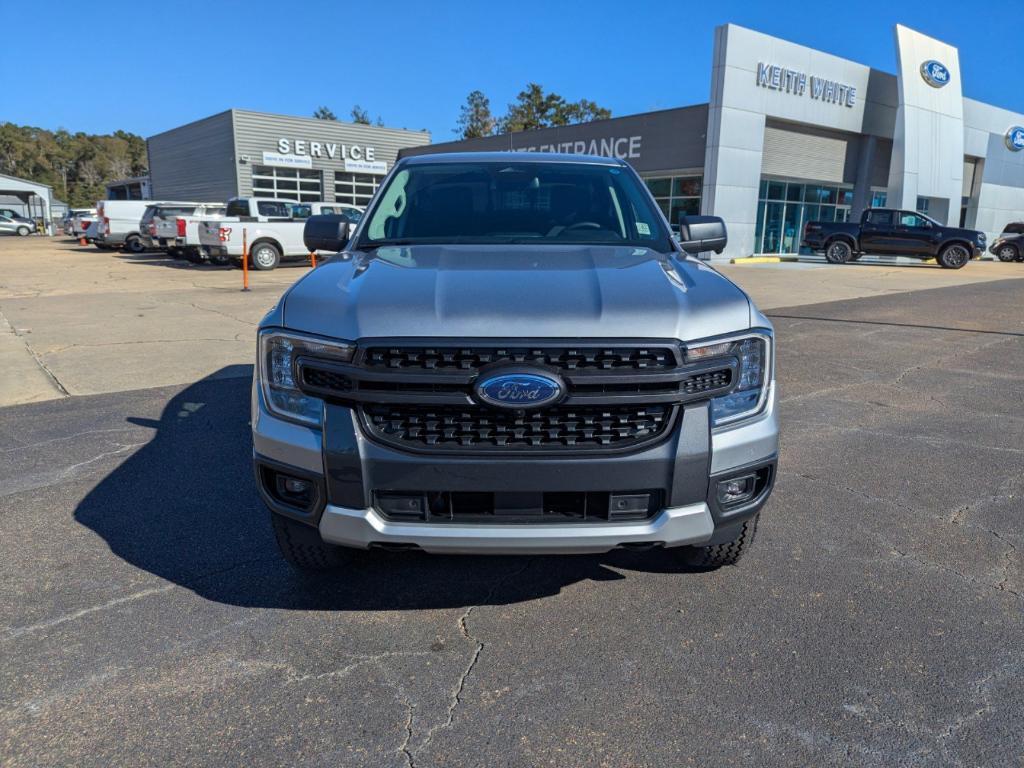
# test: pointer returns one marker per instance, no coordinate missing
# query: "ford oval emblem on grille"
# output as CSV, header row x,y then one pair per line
x,y
519,390
935,73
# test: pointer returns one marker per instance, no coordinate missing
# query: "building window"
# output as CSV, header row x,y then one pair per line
x,y
355,188
922,205
785,207
298,184
676,195
879,197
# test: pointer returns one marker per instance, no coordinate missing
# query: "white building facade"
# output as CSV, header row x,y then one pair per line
x,y
791,134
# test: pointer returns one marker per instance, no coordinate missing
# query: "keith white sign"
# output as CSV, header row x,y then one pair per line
x,y
286,161
792,81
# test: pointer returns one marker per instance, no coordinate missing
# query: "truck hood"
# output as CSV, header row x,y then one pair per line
x,y
515,291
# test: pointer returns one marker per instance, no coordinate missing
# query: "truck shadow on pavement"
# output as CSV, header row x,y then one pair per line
x,y
184,507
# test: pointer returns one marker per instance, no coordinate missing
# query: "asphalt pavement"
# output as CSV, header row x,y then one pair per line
x,y
146,619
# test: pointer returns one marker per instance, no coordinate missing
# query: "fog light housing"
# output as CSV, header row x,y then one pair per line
x,y
736,490
294,490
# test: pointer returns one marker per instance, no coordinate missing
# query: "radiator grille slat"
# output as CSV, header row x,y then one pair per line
x,y
567,358
579,428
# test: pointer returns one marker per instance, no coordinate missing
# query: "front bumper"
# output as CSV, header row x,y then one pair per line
x,y
348,468
363,528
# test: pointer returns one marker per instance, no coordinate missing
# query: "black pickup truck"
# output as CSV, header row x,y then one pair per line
x,y
894,232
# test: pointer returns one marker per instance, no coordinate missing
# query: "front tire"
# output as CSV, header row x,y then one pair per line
x,y
265,256
838,252
725,553
24,231
1008,253
954,256
302,546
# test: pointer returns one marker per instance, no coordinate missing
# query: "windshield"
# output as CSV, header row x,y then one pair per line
x,y
515,202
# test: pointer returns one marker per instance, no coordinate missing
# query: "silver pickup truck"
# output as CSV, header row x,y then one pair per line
x,y
513,355
273,232
165,226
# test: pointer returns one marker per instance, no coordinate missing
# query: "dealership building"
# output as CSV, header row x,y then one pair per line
x,y
792,134
243,153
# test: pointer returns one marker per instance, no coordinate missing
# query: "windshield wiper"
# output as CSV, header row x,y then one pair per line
x,y
382,243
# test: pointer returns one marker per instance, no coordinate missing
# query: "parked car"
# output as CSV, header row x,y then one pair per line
x,y
1009,246
894,232
19,226
274,233
187,228
353,213
91,233
160,226
80,220
512,355
10,213
119,224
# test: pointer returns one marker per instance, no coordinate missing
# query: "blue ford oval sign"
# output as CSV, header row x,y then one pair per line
x,y
935,73
519,390
1015,138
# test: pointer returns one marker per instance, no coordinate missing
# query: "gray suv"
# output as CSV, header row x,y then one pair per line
x,y
514,355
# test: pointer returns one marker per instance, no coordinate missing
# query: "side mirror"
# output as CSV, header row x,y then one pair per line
x,y
698,234
326,233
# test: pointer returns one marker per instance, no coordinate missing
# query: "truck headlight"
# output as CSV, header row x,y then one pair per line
x,y
753,375
278,351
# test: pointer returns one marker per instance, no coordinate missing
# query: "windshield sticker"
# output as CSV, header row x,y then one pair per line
x,y
643,228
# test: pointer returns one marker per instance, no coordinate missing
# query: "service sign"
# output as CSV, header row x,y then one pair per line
x,y
378,167
286,161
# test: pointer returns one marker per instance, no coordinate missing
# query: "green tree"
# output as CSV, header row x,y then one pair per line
x,y
534,109
475,119
360,115
324,113
75,165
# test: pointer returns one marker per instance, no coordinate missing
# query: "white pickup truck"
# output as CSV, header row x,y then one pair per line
x,y
274,233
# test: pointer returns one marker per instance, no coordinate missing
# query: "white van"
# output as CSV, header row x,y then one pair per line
x,y
119,223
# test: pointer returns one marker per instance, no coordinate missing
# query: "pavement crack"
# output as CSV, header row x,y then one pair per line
x,y
115,602
194,305
455,697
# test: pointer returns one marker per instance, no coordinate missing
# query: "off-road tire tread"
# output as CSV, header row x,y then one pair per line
x,y
302,546
726,553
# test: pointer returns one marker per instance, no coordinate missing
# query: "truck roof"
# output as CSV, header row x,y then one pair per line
x,y
504,157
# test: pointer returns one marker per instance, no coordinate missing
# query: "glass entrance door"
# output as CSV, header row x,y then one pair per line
x,y
785,207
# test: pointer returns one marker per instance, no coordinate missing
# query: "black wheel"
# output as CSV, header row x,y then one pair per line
x,y
838,252
302,546
726,553
134,244
177,253
954,256
24,231
264,256
223,260
193,255
1008,252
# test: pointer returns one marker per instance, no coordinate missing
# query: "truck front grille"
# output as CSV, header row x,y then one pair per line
x,y
566,358
450,428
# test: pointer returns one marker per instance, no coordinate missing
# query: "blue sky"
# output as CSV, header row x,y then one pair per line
x,y
147,67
